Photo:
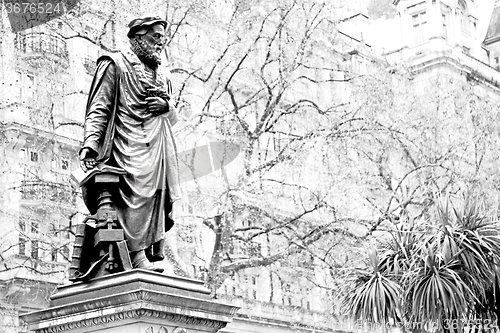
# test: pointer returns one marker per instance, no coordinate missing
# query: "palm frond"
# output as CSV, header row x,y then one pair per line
x,y
397,254
376,298
437,289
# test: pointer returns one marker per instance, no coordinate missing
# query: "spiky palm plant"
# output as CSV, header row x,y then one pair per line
x,y
375,298
477,241
467,246
449,275
471,236
436,290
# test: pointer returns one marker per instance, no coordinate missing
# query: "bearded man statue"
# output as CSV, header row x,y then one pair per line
x,y
128,125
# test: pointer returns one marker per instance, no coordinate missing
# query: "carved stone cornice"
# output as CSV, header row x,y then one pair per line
x,y
135,314
120,299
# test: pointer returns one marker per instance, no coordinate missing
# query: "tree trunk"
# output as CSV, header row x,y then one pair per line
x,y
214,279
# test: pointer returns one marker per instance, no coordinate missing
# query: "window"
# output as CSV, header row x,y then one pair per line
x,y
463,21
34,227
67,233
89,31
254,249
33,156
30,80
22,225
254,294
24,87
22,154
18,92
462,16
65,164
60,98
445,28
52,230
65,252
22,246
419,28
254,280
53,255
34,249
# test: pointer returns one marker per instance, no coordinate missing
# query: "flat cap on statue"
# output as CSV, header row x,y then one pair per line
x,y
142,24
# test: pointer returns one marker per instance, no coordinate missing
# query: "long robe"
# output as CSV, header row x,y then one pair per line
x,y
125,134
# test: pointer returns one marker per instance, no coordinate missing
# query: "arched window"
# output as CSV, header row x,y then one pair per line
x,y
463,15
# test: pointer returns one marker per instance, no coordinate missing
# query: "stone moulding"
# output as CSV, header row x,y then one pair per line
x,y
130,297
135,314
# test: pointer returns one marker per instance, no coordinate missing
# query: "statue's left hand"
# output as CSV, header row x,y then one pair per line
x,y
88,159
157,105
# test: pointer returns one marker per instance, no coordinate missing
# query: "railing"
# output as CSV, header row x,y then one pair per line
x,y
42,44
295,316
40,190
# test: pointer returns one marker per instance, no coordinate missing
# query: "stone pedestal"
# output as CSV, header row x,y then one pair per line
x,y
135,301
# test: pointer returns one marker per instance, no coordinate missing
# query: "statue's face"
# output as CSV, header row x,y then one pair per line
x,y
148,46
154,39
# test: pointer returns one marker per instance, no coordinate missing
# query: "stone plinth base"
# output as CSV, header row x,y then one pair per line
x,y
135,301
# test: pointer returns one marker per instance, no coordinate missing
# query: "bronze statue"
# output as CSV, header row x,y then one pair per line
x,y
128,127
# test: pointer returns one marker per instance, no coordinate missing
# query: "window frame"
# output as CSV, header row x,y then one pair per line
x,y
24,85
463,17
419,24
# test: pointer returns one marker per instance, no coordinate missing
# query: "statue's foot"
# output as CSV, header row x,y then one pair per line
x,y
155,251
139,260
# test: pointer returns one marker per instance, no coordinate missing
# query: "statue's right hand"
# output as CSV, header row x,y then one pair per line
x,y
88,159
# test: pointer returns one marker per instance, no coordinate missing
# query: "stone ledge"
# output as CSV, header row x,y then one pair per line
x,y
129,280
129,298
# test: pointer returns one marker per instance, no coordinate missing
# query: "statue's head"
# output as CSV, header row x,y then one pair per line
x,y
147,37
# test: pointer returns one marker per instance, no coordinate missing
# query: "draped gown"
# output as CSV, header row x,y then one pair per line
x,y
125,134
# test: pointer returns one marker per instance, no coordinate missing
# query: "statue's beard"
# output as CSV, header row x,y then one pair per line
x,y
147,53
